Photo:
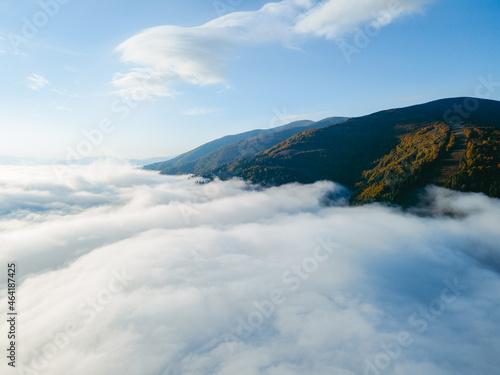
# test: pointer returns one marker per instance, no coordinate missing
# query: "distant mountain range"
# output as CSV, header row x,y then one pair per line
x,y
385,156
205,158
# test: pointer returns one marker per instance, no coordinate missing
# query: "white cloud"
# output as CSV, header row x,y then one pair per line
x,y
65,92
166,55
285,118
335,18
63,108
145,82
202,254
199,111
37,82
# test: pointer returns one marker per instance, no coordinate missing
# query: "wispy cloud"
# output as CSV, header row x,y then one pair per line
x,y
37,82
65,92
63,108
333,19
62,50
166,55
201,111
286,118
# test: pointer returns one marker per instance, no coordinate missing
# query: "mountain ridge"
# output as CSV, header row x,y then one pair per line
x,y
245,148
347,152
385,156
206,148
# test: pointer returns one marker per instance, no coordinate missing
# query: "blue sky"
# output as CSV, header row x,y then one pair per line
x,y
221,67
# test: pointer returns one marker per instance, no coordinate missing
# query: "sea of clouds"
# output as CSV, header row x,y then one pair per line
x,y
124,271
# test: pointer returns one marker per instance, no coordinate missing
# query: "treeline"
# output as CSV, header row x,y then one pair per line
x,y
403,166
480,169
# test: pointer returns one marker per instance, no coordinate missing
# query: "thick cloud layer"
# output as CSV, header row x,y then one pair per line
x,y
124,271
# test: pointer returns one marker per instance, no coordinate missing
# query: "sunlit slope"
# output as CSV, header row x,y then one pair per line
x,y
383,155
